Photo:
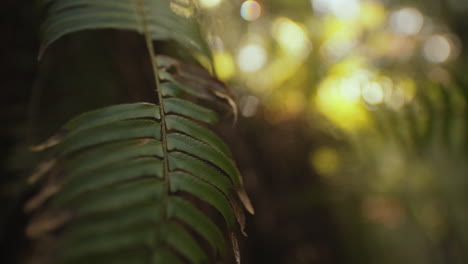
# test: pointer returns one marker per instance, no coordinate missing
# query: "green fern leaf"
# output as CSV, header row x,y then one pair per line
x,y
169,20
113,180
122,183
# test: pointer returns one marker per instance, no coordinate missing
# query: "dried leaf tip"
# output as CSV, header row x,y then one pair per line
x,y
41,170
245,200
52,141
235,248
41,198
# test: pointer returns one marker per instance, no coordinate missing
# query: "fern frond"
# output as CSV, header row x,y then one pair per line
x,y
123,183
168,20
110,180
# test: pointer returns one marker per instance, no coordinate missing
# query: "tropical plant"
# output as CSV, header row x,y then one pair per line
x,y
130,183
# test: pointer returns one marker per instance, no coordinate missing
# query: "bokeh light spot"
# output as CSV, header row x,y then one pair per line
x,y
373,93
351,87
224,65
372,14
350,90
291,36
403,92
437,49
396,100
325,161
339,37
251,58
340,110
344,9
293,101
250,10
249,105
406,21
210,3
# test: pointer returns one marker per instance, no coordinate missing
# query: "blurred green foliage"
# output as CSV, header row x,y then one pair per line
x,y
382,83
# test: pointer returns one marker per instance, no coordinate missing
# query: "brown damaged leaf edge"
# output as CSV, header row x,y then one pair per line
x,y
244,197
239,213
235,247
42,169
47,223
50,142
41,197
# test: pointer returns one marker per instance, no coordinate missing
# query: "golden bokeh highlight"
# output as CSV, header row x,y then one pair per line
x,y
291,36
325,161
224,65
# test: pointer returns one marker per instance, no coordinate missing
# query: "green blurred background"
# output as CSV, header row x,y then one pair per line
x,y
352,135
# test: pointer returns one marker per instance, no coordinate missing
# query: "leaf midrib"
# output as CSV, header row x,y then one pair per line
x,y
150,48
